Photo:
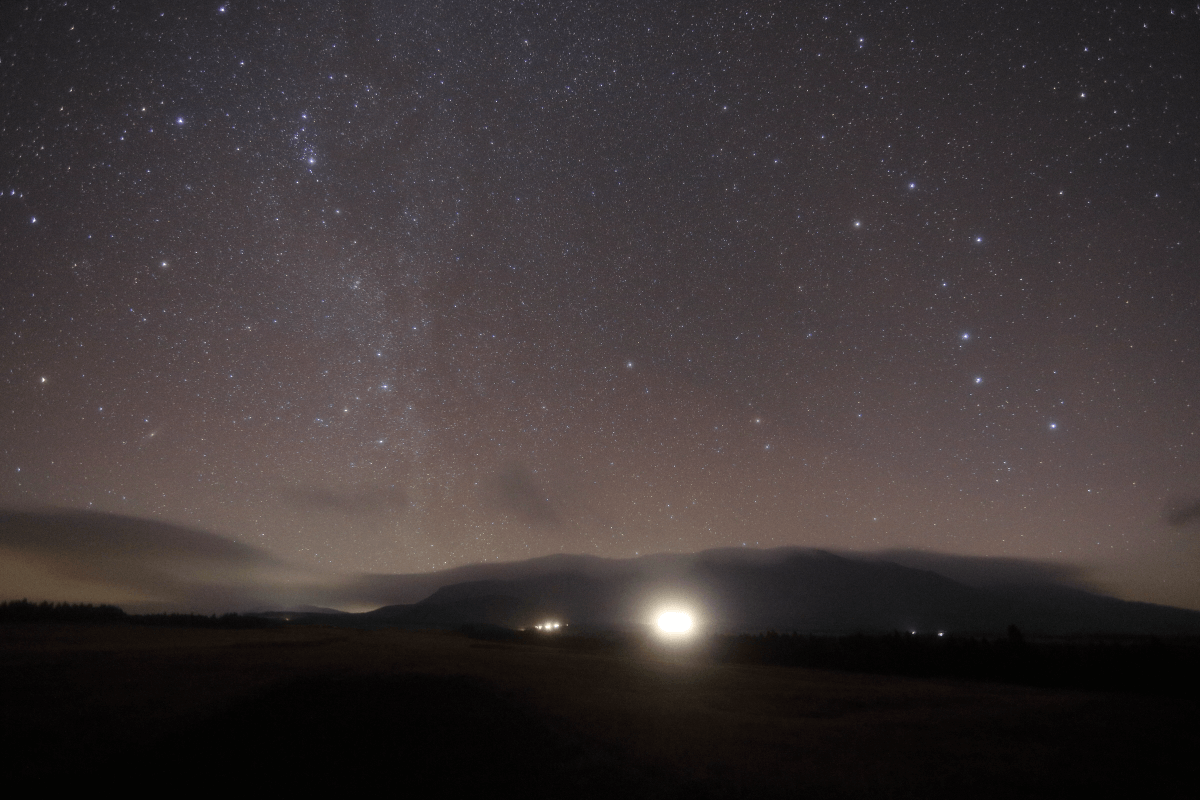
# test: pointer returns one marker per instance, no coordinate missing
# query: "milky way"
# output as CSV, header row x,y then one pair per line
x,y
396,286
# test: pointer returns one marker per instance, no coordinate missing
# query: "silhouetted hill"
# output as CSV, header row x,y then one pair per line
x,y
412,588
735,589
786,590
1062,609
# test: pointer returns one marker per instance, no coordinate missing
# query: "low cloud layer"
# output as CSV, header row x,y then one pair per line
x,y
143,565
986,571
148,564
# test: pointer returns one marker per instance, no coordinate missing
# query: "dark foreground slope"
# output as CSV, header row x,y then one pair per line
x,y
442,715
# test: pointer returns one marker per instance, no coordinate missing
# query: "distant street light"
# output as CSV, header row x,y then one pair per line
x,y
675,622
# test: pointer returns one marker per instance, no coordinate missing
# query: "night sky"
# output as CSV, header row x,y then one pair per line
x,y
389,287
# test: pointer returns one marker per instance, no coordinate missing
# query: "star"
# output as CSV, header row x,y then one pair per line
x,y
655,216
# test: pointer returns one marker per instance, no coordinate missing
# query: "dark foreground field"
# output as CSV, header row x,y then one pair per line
x,y
319,708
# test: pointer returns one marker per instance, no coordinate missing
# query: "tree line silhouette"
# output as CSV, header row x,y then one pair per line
x,y
104,614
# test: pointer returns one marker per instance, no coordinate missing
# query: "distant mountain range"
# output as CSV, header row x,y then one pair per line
x,y
789,589
149,566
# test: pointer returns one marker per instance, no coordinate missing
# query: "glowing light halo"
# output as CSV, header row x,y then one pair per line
x,y
675,622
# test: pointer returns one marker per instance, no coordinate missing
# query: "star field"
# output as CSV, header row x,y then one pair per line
x,y
393,287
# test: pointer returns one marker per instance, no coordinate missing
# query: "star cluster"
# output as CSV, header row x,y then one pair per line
x,y
393,287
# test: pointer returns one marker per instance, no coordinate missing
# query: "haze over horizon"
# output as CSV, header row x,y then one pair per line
x,y
150,567
390,288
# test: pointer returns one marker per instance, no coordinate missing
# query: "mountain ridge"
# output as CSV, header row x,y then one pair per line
x,y
789,589
171,568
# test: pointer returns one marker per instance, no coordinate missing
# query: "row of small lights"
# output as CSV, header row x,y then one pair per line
x,y
669,622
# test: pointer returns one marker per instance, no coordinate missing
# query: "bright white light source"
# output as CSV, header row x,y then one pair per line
x,y
675,622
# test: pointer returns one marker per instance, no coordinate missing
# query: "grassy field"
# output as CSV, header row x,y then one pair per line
x,y
306,707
